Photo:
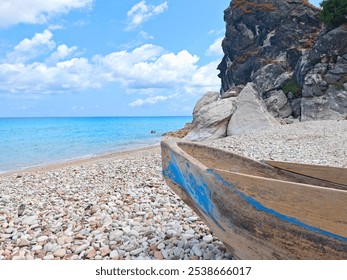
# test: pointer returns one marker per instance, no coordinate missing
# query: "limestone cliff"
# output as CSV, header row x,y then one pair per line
x,y
297,65
280,59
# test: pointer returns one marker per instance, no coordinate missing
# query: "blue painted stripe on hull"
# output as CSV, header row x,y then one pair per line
x,y
196,188
257,205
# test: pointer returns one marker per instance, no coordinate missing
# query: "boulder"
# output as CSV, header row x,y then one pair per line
x,y
278,105
330,106
266,77
232,92
206,99
210,119
251,113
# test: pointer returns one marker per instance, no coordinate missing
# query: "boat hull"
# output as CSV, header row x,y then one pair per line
x,y
257,217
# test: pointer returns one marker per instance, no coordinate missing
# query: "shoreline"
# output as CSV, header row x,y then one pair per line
x,y
78,161
111,207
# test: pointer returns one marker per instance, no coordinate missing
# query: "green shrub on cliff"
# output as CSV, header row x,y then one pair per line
x,y
293,87
334,12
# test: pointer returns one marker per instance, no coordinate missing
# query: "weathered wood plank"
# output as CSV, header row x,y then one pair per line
x,y
332,174
257,217
220,159
321,208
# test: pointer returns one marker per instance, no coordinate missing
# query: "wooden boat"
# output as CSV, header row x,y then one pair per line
x,y
261,210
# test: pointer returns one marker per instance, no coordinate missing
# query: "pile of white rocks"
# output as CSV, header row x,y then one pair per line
x,y
112,208
316,142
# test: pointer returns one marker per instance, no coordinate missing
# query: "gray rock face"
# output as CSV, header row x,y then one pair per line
x,y
330,106
211,117
266,77
262,32
322,72
298,66
251,114
328,47
204,101
278,104
232,92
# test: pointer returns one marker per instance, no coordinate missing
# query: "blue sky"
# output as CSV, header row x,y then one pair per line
x,y
108,58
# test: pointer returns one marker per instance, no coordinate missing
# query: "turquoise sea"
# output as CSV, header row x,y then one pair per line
x,y
27,142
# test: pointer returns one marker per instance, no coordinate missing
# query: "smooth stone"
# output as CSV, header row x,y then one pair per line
x,y
114,255
105,251
91,253
31,220
18,258
158,255
116,234
59,253
181,243
81,248
136,251
22,242
165,254
133,233
48,247
9,230
196,250
36,248
177,252
42,238
126,229
207,238
187,236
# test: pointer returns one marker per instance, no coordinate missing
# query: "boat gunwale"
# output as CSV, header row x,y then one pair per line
x,y
188,161
175,146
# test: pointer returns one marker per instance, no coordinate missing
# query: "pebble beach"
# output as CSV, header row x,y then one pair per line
x,y
119,207
114,207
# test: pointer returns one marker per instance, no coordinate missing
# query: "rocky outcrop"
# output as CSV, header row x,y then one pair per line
x,y
322,75
298,66
241,112
262,32
251,113
278,58
211,117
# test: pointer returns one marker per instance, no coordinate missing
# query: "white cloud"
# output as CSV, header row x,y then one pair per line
x,y
216,48
148,69
62,52
141,12
35,11
206,76
149,66
28,49
149,100
144,35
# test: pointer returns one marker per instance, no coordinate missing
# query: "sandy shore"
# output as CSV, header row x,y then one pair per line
x,y
112,207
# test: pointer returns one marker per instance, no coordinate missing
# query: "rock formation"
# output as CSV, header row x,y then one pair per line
x,y
322,75
251,113
297,65
211,117
281,52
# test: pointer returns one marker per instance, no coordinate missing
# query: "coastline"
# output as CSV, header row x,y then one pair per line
x,y
115,206
78,161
